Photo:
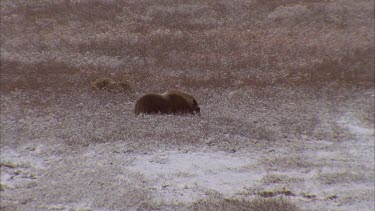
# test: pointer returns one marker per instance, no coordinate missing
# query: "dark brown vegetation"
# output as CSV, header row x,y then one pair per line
x,y
257,204
214,44
170,102
220,203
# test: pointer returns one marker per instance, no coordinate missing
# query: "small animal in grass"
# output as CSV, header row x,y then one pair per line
x,y
108,84
171,102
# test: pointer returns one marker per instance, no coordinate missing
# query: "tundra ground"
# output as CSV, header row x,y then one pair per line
x,y
286,91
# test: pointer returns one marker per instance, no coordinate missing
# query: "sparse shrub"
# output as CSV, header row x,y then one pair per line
x,y
268,194
285,162
256,204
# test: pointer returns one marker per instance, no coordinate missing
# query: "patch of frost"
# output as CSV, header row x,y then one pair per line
x,y
24,160
355,126
183,176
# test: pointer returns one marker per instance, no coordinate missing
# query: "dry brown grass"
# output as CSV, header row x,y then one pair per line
x,y
258,204
279,178
39,76
220,203
215,40
344,176
264,72
286,162
256,49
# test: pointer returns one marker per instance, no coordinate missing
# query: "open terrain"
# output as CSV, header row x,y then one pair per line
x,y
286,91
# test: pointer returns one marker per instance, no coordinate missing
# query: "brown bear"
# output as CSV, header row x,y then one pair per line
x,y
170,102
110,85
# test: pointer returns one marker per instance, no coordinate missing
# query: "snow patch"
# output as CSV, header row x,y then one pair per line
x,y
354,125
20,167
22,160
183,176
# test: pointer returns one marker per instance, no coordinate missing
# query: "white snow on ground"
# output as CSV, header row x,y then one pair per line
x,y
355,126
182,176
341,170
338,175
12,176
9,155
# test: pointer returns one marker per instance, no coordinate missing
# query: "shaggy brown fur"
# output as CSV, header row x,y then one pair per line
x,y
110,85
171,102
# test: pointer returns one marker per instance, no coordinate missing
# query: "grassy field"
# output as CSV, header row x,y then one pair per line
x,y
286,90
